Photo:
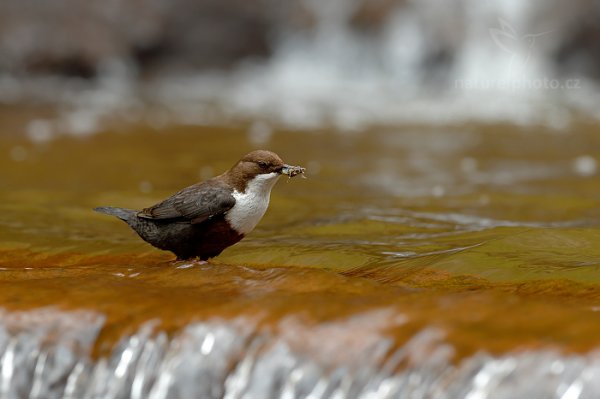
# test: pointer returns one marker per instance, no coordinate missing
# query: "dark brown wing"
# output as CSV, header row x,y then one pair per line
x,y
195,203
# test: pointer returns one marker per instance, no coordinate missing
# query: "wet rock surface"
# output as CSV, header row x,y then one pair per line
x,y
82,39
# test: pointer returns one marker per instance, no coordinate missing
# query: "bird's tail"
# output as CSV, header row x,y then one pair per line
x,y
123,214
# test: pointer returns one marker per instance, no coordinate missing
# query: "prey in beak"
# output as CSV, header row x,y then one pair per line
x,y
292,171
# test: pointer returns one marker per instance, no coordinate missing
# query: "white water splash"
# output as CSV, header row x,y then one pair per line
x,y
229,359
430,63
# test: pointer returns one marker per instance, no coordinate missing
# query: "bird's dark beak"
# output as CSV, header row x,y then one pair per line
x,y
292,171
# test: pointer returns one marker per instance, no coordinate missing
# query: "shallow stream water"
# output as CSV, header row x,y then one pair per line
x,y
458,261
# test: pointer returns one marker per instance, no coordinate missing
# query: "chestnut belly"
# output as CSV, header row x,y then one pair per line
x,y
186,240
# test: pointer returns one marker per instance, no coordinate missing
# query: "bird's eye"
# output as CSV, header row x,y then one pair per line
x,y
262,164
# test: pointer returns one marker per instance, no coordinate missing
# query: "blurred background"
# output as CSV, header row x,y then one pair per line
x,y
303,63
445,243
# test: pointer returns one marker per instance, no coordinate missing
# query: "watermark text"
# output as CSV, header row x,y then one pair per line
x,y
518,84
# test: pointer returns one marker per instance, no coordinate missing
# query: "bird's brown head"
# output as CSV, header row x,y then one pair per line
x,y
262,163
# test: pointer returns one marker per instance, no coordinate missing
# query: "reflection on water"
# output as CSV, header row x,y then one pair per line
x,y
412,261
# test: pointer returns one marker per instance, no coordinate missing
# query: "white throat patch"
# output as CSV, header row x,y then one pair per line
x,y
251,205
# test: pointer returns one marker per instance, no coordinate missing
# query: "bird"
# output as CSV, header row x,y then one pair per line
x,y
200,221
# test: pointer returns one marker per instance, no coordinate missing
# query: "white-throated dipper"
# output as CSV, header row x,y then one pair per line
x,y
202,220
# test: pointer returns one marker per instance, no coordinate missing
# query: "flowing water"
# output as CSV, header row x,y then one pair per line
x,y
445,244
454,262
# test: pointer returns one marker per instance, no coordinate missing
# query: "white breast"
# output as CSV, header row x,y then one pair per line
x,y
251,205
